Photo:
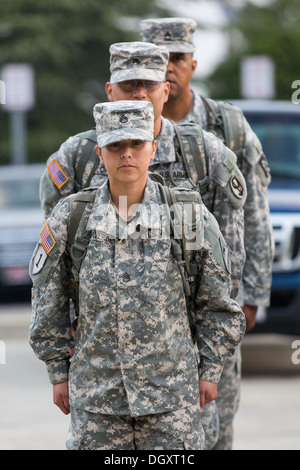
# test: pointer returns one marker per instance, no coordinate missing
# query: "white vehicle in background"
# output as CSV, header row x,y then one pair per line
x,y
21,219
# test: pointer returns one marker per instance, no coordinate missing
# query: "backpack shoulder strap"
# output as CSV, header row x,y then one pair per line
x,y
172,197
78,240
184,257
78,236
227,119
86,154
156,177
79,203
192,148
234,130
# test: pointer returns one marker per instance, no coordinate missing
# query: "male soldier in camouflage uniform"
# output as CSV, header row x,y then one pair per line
x,y
134,378
138,71
184,105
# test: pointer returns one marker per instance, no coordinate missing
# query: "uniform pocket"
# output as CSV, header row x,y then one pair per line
x,y
72,443
95,279
194,438
77,430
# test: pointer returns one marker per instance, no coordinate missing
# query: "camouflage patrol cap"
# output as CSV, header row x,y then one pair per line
x,y
174,33
138,61
122,120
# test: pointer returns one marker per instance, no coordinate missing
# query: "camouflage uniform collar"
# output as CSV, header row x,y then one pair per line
x,y
197,112
165,152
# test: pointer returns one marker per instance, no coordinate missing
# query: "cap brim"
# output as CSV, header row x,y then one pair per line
x,y
124,134
137,74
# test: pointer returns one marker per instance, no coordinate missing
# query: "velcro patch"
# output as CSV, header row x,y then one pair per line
x,y
237,187
58,176
47,238
39,260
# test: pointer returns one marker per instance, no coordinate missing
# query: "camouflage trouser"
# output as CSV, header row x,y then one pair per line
x,y
217,417
175,430
228,400
210,424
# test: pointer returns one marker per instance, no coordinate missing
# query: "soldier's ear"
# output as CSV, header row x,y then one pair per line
x,y
166,91
154,147
109,91
194,65
98,150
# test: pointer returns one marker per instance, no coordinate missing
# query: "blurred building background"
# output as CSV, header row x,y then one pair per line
x,y
66,44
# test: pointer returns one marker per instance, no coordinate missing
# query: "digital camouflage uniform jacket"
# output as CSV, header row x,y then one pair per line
x,y
258,239
227,208
134,352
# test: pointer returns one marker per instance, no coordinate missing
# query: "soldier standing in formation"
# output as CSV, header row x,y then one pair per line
x,y
185,105
138,72
133,380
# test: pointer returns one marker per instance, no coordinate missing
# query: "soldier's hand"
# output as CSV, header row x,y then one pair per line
x,y
208,392
61,397
250,312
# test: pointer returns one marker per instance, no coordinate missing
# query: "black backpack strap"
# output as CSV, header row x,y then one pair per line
x,y
86,153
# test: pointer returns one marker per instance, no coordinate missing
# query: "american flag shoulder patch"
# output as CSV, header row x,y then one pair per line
x,y
58,176
47,238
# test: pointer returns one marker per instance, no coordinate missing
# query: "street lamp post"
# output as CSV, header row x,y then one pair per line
x,y
18,89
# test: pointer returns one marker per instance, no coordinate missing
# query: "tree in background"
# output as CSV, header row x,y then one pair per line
x,y
67,43
274,30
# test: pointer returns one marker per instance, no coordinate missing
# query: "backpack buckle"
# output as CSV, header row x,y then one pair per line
x,y
81,248
203,186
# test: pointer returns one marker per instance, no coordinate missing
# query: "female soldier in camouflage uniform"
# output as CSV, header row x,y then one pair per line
x,y
135,380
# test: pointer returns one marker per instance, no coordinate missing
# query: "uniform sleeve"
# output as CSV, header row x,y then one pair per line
x,y
58,179
229,190
219,321
50,330
258,239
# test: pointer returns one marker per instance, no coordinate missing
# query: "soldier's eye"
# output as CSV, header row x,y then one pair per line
x,y
177,57
131,85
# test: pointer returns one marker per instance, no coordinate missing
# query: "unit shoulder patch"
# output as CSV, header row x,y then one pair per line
x,y
39,259
237,187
